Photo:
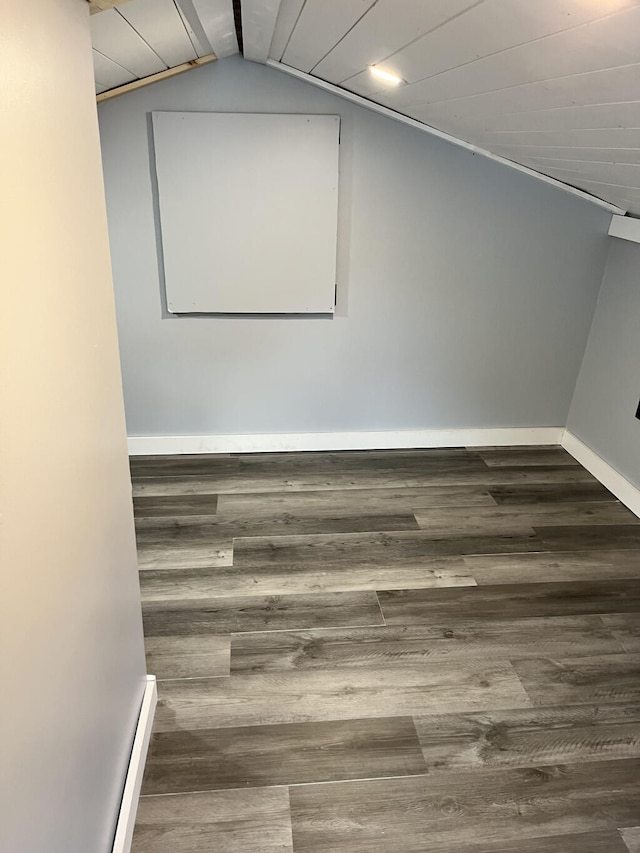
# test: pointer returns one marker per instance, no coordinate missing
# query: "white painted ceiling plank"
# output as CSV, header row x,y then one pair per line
x,y
433,131
607,137
615,194
595,87
626,198
595,155
287,16
112,36
216,17
597,187
613,173
485,32
258,25
108,72
617,167
631,205
159,23
591,117
321,25
387,27
609,44
502,25
536,156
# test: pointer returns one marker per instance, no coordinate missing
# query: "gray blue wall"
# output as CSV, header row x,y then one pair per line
x,y
603,409
466,289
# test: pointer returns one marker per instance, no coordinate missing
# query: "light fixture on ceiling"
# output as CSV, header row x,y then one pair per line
x,y
385,75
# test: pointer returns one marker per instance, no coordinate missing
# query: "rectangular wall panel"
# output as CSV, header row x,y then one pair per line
x,y
248,211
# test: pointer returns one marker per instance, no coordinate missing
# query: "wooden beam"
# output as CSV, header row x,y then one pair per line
x,y
154,78
102,5
625,227
258,23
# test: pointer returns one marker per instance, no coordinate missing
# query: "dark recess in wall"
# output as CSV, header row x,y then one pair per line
x,y
237,14
638,411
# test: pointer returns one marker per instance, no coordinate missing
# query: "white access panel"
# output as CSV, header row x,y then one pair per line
x,y
248,211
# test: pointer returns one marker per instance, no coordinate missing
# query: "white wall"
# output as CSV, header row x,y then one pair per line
x,y
71,653
608,389
465,289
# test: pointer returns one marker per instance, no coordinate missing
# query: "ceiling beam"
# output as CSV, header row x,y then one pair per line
x,y
258,23
625,227
217,21
154,78
102,5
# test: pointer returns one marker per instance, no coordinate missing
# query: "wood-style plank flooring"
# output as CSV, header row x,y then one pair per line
x,y
385,651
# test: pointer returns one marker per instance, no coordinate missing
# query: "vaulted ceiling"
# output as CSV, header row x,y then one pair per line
x,y
140,38
553,85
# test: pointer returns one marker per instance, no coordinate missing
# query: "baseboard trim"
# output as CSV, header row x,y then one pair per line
x,y
133,783
602,471
150,445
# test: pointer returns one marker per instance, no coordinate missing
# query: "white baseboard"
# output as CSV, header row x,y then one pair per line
x,y
601,470
133,783
150,445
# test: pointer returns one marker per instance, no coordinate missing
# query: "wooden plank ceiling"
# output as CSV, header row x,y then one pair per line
x,y
553,85
141,38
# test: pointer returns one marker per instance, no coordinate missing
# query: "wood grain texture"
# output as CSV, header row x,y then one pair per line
x,y
178,584
188,657
406,548
291,697
357,458
526,456
254,820
626,628
184,547
350,501
280,481
521,517
280,472
211,759
510,601
553,493
549,567
179,465
608,841
360,461
497,710
187,484
444,811
603,678
259,613
433,642
176,506
223,528
584,537
560,734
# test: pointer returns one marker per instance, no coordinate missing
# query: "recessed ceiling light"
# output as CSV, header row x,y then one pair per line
x,y
386,75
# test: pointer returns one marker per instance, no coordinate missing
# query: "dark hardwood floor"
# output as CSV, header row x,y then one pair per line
x,y
389,652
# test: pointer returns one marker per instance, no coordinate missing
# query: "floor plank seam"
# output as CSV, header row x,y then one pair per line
x,y
492,697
